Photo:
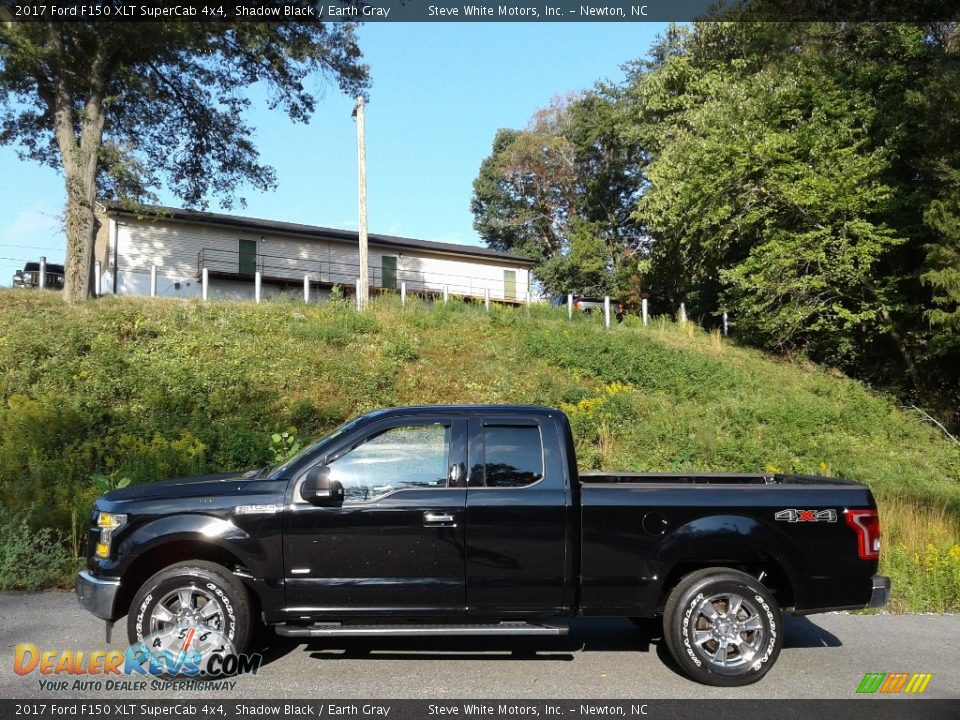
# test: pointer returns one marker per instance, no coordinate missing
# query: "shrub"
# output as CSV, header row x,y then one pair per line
x,y
30,558
401,348
925,579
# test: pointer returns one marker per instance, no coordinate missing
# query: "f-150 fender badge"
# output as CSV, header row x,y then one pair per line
x,y
806,515
258,509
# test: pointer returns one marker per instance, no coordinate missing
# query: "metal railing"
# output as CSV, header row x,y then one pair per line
x,y
273,268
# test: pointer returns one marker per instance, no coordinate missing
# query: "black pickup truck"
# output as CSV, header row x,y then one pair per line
x,y
469,520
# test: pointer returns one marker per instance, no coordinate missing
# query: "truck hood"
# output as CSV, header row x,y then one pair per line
x,y
218,484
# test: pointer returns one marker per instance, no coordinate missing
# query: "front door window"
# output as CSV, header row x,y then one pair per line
x,y
414,456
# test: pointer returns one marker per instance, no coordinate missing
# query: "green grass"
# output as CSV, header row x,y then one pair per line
x,y
144,389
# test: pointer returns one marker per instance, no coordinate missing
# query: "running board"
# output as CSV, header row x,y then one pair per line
x,y
415,630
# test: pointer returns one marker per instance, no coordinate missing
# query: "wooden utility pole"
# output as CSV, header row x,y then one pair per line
x,y
363,287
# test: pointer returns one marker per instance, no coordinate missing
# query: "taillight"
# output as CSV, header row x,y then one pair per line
x,y
866,523
577,305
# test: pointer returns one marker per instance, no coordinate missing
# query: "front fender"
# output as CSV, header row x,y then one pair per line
x,y
189,527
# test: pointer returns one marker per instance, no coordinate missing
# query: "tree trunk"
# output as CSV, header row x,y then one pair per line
x,y
899,341
80,158
81,228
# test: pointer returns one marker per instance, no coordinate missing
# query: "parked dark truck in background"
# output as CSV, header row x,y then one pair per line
x,y
467,520
29,277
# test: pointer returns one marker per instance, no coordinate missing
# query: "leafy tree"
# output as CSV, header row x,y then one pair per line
x,y
791,168
120,108
941,356
562,192
524,196
943,260
802,175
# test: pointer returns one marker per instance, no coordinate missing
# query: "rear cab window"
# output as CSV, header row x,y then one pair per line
x,y
513,455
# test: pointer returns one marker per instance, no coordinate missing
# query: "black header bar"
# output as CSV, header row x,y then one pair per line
x,y
480,11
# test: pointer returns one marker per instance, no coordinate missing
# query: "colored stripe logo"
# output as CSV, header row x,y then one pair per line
x,y
893,683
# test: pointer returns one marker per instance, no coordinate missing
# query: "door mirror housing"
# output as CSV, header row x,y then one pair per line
x,y
318,488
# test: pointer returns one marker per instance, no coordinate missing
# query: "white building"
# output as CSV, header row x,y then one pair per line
x,y
181,243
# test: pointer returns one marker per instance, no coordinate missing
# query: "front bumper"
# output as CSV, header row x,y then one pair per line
x,y
97,595
881,591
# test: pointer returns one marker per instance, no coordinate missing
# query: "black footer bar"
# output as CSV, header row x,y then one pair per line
x,y
231,709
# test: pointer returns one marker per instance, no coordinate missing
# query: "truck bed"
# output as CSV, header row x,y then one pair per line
x,y
661,478
635,527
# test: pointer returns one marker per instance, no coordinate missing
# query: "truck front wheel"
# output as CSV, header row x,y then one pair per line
x,y
723,627
197,602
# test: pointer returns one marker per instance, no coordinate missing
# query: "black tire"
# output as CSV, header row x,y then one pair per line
x,y
202,580
731,649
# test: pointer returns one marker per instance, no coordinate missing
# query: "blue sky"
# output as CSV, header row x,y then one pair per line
x,y
440,92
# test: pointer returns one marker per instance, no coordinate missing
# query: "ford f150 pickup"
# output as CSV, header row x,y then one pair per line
x,y
467,520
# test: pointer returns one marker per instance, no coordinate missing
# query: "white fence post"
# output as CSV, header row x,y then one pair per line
x,y
153,281
306,288
204,283
683,313
97,270
726,327
403,294
446,294
570,306
42,280
486,299
359,299
606,311
643,310
257,282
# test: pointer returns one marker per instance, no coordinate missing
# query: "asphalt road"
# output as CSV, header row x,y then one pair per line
x,y
825,656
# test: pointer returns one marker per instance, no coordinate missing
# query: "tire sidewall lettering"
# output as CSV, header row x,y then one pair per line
x,y
685,630
141,612
231,615
772,631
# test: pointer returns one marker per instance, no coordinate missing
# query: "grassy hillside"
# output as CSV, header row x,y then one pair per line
x,y
140,389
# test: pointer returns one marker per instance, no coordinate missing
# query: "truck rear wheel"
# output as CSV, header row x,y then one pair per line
x,y
723,627
194,601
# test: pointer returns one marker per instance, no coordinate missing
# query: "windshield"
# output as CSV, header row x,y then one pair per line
x,y
280,470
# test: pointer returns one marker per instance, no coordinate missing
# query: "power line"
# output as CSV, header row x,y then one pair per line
x,y
29,247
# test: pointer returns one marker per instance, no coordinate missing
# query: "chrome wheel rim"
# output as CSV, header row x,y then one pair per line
x,y
188,618
727,631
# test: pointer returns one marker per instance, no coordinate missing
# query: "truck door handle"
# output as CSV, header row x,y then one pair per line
x,y
438,519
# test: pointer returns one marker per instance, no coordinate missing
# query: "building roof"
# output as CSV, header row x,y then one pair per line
x,y
309,231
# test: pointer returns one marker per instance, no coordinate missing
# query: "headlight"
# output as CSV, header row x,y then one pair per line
x,y
108,522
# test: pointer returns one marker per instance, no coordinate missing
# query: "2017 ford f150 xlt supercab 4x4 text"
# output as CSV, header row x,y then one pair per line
x,y
467,520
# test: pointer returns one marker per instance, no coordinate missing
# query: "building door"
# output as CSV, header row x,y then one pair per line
x,y
509,284
247,257
388,271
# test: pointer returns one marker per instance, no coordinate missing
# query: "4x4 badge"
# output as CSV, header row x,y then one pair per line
x,y
807,515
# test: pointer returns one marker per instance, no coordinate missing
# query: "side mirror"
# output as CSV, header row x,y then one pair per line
x,y
318,489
